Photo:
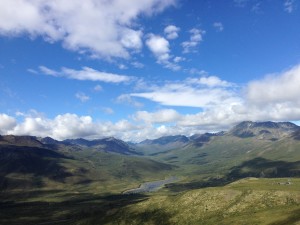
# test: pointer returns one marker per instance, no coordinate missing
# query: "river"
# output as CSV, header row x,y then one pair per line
x,y
151,186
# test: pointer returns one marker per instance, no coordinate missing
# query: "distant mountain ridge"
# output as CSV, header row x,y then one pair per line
x,y
105,144
109,144
263,130
166,140
45,161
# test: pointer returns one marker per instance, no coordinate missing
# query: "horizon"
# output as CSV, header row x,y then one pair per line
x,y
145,69
147,139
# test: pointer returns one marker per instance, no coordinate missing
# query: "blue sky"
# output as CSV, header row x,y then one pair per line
x,y
146,68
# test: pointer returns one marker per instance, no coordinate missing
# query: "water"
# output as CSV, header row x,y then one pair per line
x,y
151,186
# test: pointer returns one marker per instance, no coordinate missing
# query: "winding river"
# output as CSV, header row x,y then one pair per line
x,y
151,186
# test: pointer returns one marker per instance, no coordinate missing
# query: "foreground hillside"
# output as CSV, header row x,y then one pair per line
x,y
247,201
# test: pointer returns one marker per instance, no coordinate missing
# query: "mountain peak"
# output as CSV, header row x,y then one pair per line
x,y
263,130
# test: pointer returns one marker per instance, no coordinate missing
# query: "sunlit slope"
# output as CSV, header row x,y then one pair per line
x,y
247,201
220,154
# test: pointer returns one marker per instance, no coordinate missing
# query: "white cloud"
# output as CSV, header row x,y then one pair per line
x,y
86,73
32,71
218,26
6,123
178,59
105,29
82,96
127,99
194,92
161,116
210,81
195,39
221,104
122,67
65,126
289,6
137,65
160,47
171,32
276,88
98,88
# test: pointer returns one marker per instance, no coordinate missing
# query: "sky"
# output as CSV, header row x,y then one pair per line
x,y
142,69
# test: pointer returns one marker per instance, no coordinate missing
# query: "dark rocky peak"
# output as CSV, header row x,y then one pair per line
x,y
78,141
166,140
109,144
20,140
202,137
49,141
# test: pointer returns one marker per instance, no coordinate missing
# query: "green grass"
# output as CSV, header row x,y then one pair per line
x,y
249,201
246,201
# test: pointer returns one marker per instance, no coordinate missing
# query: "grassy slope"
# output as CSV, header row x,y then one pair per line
x,y
225,152
248,201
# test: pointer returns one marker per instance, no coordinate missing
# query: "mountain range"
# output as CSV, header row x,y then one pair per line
x,y
85,178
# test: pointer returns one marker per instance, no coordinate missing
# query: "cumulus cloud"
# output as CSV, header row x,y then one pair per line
x,y
86,73
195,39
6,123
276,88
66,126
220,105
105,29
82,96
160,47
171,32
218,26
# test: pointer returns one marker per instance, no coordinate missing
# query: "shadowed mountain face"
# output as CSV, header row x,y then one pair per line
x,y
166,140
20,140
29,164
107,144
23,159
